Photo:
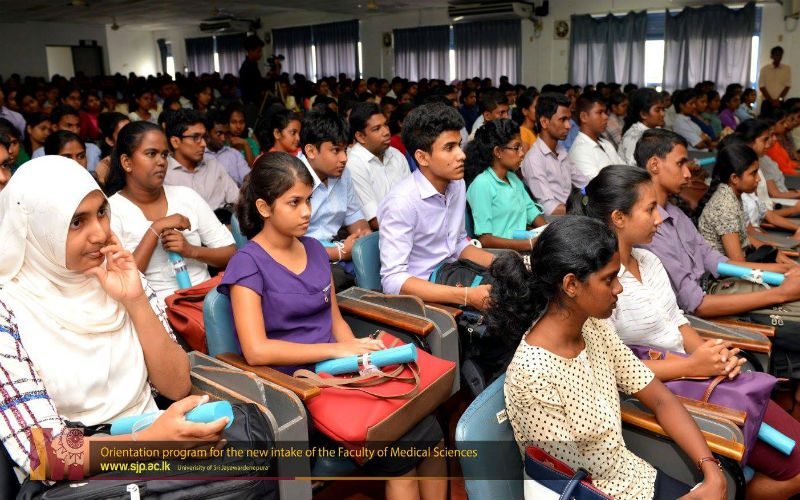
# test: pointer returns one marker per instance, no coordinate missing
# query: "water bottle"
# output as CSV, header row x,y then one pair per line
x,y
179,267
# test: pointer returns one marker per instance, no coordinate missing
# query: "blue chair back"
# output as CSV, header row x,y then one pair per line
x,y
484,427
218,320
238,236
367,262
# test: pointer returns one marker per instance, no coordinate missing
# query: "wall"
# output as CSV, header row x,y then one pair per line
x,y
132,50
27,42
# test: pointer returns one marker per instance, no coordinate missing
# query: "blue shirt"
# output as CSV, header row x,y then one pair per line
x,y
92,155
497,206
332,206
571,135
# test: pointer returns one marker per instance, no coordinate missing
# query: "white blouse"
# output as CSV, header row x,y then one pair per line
x,y
129,224
647,312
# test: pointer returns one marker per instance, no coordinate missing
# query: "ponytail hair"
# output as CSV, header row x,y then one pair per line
x,y
569,245
641,100
614,188
128,140
272,175
732,159
480,151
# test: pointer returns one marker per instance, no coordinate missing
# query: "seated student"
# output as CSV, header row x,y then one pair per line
x,y
239,138
374,164
729,105
777,152
218,133
469,107
11,115
570,364
495,194
36,131
617,112
395,122
745,110
140,105
682,250
525,115
723,222
684,102
152,219
90,112
201,97
494,105
323,138
547,169
422,218
67,118
591,151
66,144
83,337
110,124
711,113
647,314
5,160
645,111
700,107
15,148
281,133
284,304
188,165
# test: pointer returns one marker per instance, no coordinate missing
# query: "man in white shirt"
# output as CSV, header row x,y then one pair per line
x,y
374,165
774,81
186,133
494,105
590,153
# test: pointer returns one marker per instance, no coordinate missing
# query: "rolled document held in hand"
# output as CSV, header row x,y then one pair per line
x,y
706,161
352,364
179,266
756,275
522,234
776,439
203,414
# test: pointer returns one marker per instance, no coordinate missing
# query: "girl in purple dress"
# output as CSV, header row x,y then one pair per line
x,y
284,304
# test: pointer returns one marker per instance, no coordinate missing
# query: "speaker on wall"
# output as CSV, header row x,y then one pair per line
x,y
387,40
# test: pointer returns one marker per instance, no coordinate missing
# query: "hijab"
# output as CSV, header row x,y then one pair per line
x,y
80,340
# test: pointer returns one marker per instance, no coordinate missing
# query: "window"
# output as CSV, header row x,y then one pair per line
x,y
654,63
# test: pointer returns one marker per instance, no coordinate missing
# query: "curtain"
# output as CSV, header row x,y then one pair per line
x,y
162,51
200,55
336,46
488,49
231,53
708,43
295,45
422,52
608,49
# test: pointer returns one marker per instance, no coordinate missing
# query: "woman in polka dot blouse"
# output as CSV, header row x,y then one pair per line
x,y
562,385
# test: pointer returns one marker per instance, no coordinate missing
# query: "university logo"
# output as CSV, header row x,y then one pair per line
x,y
62,455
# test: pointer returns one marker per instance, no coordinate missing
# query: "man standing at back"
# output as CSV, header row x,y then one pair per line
x,y
774,81
547,169
374,165
249,74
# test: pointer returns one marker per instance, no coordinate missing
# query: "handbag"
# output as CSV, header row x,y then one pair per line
x,y
547,478
185,313
748,392
250,430
371,411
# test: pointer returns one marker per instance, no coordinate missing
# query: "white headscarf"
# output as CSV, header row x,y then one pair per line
x,y
68,324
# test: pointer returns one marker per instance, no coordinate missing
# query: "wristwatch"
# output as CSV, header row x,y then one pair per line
x,y
708,459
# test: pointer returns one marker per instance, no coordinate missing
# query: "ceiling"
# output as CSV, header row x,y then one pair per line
x,y
160,14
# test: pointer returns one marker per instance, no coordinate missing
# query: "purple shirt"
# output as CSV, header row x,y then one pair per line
x,y
728,119
296,307
685,254
420,228
15,118
550,175
233,161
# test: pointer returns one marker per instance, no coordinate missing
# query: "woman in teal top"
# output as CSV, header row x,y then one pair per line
x,y
496,196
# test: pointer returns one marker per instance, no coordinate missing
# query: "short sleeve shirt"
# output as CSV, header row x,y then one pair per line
x,y
296,307
570,408
497,205
724,214
771,172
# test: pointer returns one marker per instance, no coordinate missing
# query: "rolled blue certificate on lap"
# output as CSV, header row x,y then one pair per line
x,y
352,364
756,275
203,414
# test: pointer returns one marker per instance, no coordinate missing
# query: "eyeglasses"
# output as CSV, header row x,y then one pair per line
x,y
513,148
196,138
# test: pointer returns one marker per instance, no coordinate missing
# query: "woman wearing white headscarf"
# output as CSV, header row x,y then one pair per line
x,y
81,339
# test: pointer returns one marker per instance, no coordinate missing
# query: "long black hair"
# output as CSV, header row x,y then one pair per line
x,y
732,159
480,151
56,141
614,188
570,245
272,175
641,100
128,140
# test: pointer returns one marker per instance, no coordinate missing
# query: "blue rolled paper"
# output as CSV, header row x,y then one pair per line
x,y
328,244
392,356
203,414
706,161
179,266
521,234
776,439
768,277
